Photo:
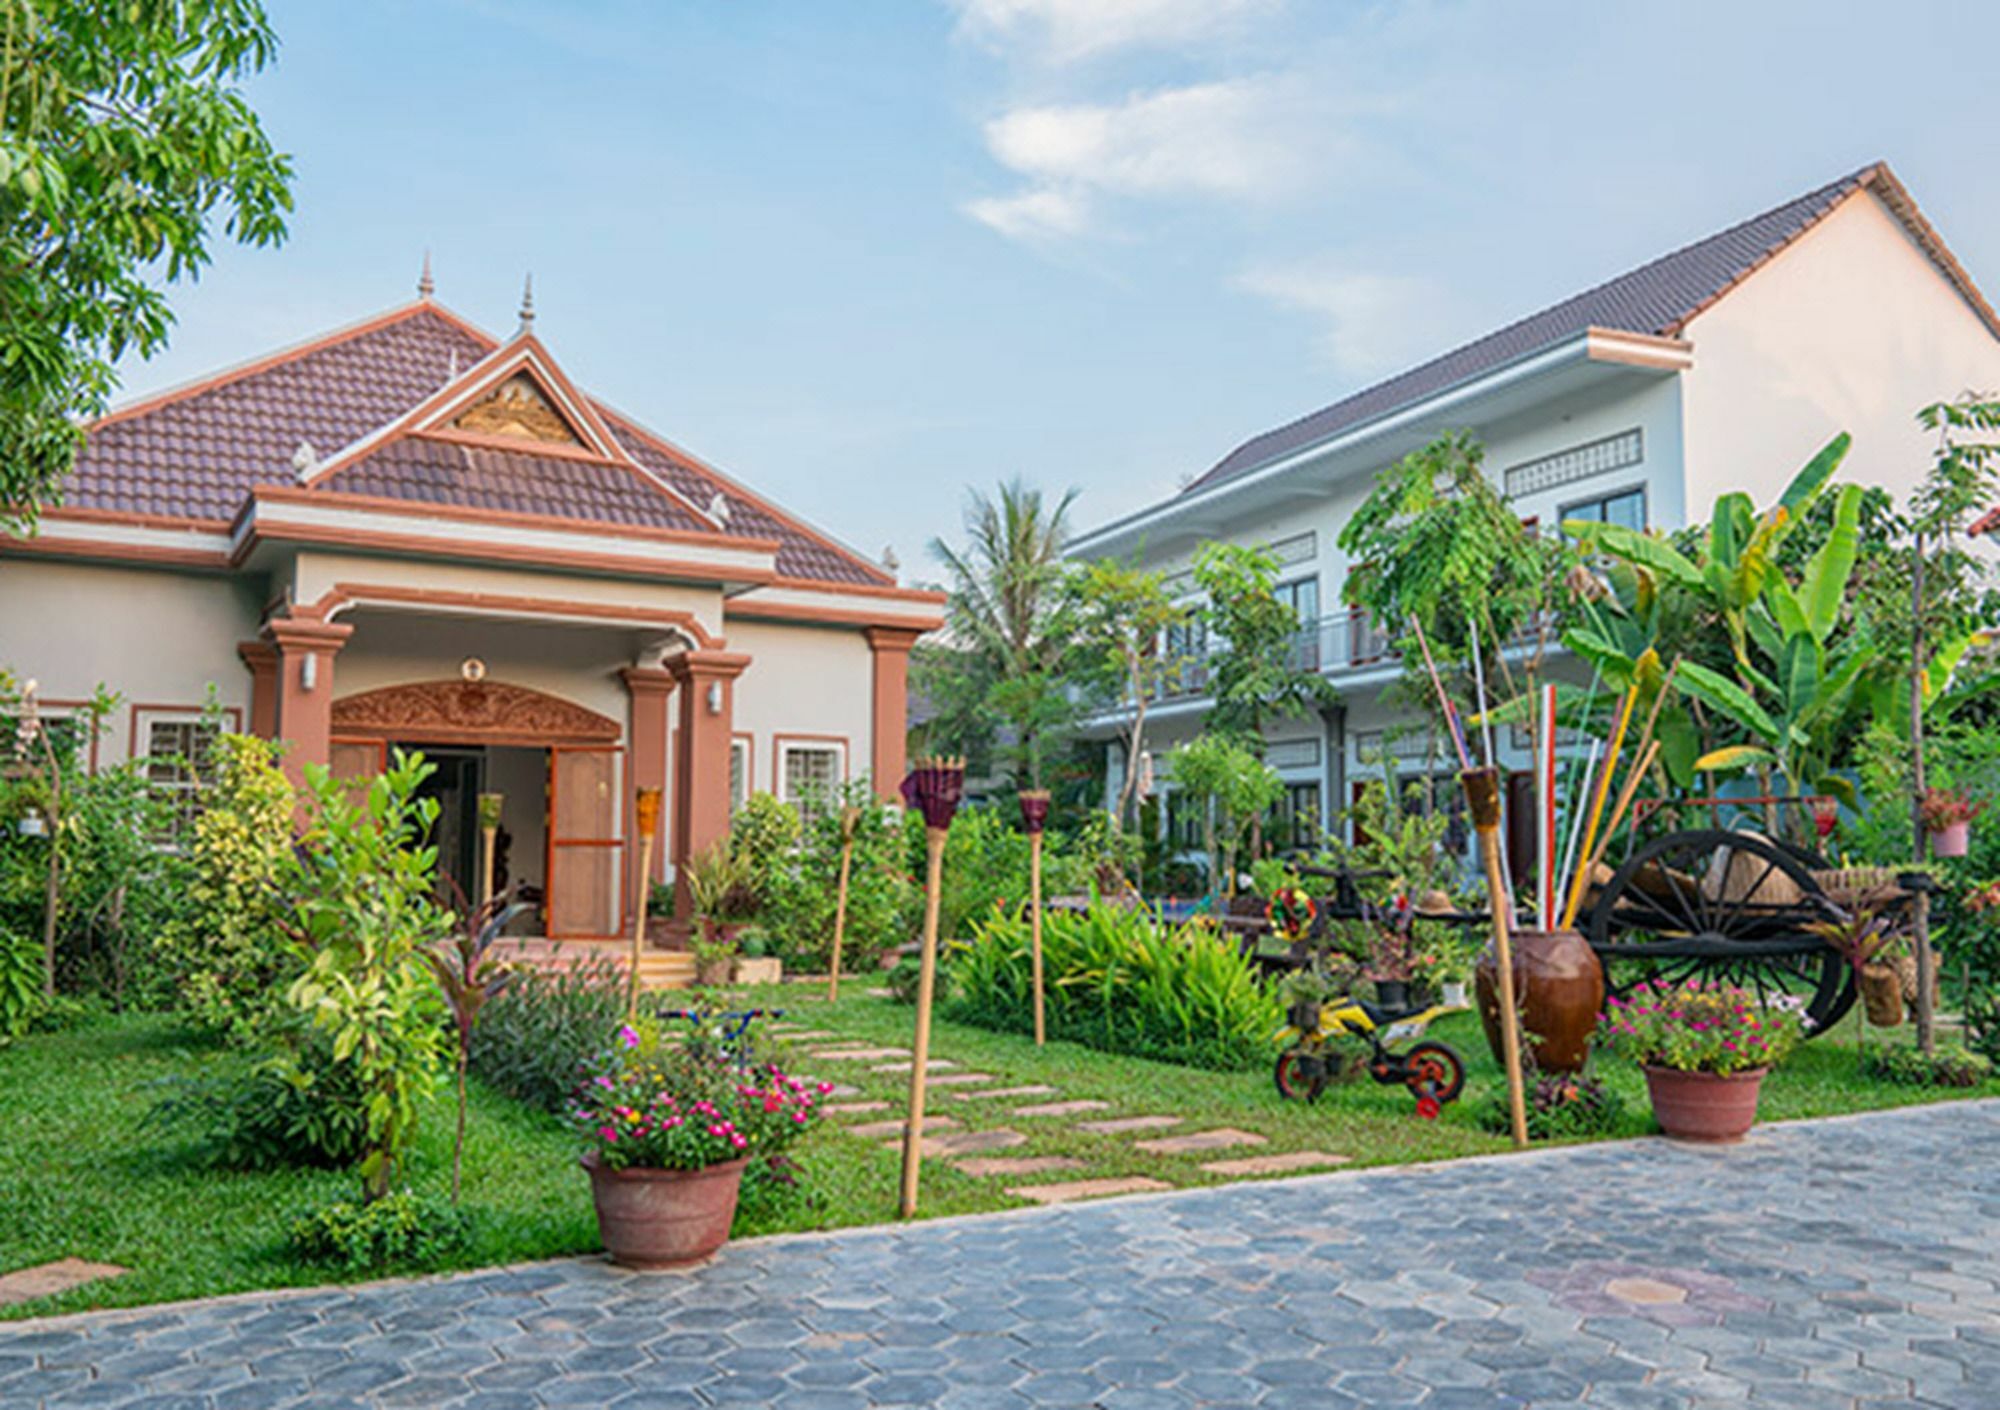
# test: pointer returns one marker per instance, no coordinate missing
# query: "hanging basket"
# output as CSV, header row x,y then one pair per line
x,y
1906,973
1882,995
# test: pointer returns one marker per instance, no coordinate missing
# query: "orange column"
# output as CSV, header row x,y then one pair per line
x,y
261,660
305,652
706,680
647,739
891,646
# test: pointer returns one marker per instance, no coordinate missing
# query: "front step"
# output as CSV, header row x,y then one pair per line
x,y
658,969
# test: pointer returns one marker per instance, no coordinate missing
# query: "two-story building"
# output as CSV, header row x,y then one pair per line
x,y
1721,366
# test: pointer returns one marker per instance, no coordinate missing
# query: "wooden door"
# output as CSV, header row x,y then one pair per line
x,y
583,840
357,762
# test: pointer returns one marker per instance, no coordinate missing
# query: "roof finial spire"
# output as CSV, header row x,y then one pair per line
x,y
527,305
426,286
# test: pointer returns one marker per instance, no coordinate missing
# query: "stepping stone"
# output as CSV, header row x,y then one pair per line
x,y
985,1166
1118,1125
1033,1090
858,1054
880,993
895,1128
966,1142
1065,1191
934,1065
1070,1108
960,1079
47,1279
1275,1164
837,1089
1221,1138
802,1035
852,1108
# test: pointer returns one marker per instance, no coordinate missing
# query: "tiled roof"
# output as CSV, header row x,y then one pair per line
x,y
197,452
1656,298
1987,523
426,471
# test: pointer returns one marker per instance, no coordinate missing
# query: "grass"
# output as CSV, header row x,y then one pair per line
x,y
80,1175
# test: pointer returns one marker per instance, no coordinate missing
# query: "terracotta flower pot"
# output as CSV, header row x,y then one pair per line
x,y
1559,985
1951,840
664,1218
1704,1106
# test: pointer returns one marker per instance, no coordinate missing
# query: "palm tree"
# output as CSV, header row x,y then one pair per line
x,y
1008,614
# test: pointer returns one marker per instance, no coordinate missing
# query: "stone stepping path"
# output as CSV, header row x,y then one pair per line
x,y
1063,1192
1069,1108
1033,1090
48,1279
895,1127
983,1167
858,1054
804,1035
1275,1164
934,1065
959,1079
966,1142
1122,1125
839,1089
1221,1138
853,1108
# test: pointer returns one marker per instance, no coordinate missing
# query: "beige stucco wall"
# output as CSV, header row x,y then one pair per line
x,y
580,664
1851,328
803,680
156,637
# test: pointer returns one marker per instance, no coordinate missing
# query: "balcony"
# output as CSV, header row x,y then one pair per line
x,y
1345,641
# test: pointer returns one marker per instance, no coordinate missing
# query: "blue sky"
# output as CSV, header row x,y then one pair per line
x,y
865,255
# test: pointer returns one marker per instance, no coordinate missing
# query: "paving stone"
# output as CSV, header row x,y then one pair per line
x,y
983,1167
853,1108
1033,1089
1120,1125
48,1279
1066,1191
932,1065
960,1079
1069,1108
1220,1138
895,1128
857,1054
1281,1164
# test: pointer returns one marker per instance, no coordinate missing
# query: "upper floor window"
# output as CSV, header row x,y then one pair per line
x,y
1627,508
1302,596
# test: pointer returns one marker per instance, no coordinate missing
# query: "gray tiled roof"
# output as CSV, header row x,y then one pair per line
x,y
1656,298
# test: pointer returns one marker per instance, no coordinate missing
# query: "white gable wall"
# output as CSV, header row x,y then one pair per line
x,y
1851,328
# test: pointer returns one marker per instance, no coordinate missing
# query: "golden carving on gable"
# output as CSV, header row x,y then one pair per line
x,y
517,408
469,711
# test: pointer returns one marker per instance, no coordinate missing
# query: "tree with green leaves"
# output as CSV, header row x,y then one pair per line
x,y
123,139
1124,613
1235,788
1011,623
1255,672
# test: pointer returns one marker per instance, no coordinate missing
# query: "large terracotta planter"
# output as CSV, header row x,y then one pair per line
x,y
664,1218
1559,984
1703,1106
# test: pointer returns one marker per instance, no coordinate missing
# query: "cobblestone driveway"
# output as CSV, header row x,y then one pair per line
x,y
1824,1264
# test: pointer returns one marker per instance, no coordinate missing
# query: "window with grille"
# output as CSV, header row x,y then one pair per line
x,y
178,749
739,772
810,776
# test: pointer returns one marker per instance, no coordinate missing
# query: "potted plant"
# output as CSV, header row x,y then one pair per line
x,y
1705,1049
668,1129
1948,817
721,900
755,964
1867,938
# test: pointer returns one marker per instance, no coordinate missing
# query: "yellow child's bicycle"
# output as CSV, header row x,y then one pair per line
x,y
1314,1054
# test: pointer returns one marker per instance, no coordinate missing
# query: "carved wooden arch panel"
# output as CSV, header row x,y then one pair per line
x,y
470,712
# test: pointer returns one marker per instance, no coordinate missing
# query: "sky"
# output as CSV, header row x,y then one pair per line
x,y
867,256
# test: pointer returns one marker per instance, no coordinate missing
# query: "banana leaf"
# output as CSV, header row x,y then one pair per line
x,y
1824,588
1720,693
1810,480
1731,758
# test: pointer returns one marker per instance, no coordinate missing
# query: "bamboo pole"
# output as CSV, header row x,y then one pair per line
x,y
1035,929
1482,796
1625,795
489,832
647,814
913,1128
1597,805
849,819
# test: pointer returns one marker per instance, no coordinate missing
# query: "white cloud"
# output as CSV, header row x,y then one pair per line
x,y
1062,31
1033,215
1371,323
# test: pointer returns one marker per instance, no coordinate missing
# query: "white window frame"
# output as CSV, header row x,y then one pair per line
x,y
147,718
786,748
742,759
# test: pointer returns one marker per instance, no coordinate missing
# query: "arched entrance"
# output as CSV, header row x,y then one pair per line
x,y
494,736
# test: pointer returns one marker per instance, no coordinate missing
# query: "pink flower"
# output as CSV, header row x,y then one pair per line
x,y
628,1035
738,1142
609,1133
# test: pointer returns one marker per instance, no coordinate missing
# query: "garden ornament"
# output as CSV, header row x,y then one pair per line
x,y
933,788
1035,817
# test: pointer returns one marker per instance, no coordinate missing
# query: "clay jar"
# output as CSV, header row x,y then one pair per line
x,y
664,1218
1559,986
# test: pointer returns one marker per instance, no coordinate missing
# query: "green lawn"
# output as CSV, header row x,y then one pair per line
x,y
80,1175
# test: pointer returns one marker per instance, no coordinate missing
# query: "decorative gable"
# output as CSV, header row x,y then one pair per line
x,y
517,408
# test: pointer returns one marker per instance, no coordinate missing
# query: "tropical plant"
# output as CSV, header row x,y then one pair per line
x,y
359,891
122,138
1125,619
533,1038
1255,671
719,889
1009,619
299,1107
986,866
470,979
1118,980
1952,1065
1235,789
21,997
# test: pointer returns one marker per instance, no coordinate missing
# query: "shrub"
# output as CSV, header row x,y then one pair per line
x,y
986,867
294,1109
21,1000
231,957
532,1039
1117,980
1562,1106
795,875
1949,1066
401,1230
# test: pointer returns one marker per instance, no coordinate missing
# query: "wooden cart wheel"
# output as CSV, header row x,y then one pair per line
x,y
1728,906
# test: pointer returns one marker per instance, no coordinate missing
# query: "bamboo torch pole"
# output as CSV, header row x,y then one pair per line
x,y
934,787
1482,795
489,832
647,814
850,818
1035,817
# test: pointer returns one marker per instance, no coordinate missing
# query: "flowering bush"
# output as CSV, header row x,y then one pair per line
x,y
1702,1027
652,1101
1943,808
